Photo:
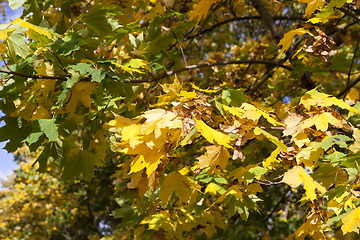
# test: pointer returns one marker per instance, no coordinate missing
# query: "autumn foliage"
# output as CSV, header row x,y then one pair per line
x,y
176,119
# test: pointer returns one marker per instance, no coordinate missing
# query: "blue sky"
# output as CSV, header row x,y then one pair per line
x,y
7,163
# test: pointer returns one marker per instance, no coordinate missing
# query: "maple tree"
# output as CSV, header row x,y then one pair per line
x,y
221,116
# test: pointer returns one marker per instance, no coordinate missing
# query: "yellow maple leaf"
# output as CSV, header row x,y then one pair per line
x,y
175,87
215,155
84,90
343,202
233,190
289,36
356,146
297,175
311,226
16,21
238,172
178,183
157,119
300,138
187,95
335,205
81,92
203,90
161,219
213,189
5,32
121,122
310,155
352,96
139,181
271,158
321,121
212,135
2,48
148,158
312,5
292,123
236,111
351,222
139,63
40,113
315,98
255,112
130,132
254,188
46,69
315,20
201,9
40,30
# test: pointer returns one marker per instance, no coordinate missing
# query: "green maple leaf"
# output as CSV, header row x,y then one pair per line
x,y
234,97
40,127
239,206
17,45
330,141
43,158
80,162
96,20
52,150
49,127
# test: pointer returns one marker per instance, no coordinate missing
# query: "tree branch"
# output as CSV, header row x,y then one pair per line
x,y
165,74
348,13
277,35
168,73
268,183
352,62
274,209
268,20
348,87
62,78
233,20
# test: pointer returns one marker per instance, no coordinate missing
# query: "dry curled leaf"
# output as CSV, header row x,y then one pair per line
x,y
321,47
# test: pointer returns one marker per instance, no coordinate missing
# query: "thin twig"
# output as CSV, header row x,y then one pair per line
x,y
242,77
251,89
181,49
3,79
273,128
268,183
274,209
352,62
102,110
62,66
7,66
166,74
71,26
236,19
